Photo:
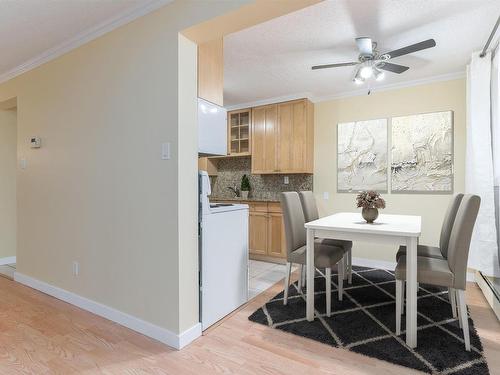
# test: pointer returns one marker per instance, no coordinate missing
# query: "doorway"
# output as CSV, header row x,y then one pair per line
x,y
8,198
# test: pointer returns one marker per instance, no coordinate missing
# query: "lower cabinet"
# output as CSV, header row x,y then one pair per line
x,y
276,235
258,230
267,234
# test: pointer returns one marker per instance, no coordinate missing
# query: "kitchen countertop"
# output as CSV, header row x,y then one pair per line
x,y
240,199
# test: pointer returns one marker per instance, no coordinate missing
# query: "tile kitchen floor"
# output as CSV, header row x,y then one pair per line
x,y
263,275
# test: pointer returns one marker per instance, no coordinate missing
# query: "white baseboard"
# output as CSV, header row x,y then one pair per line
x,y
386,265
488,294
189,335
7,260
373,263
177,341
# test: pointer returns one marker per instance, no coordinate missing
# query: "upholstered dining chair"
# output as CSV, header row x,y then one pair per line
x,y
440,252
450,272
311,213
325,256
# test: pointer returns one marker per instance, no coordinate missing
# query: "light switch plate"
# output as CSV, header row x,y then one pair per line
x,y
165,151
326,195
23,163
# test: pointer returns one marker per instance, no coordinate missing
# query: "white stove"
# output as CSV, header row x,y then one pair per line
x,y
223,256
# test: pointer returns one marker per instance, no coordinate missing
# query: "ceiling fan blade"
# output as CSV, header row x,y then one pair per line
x,y
429,43
394,68
365,45
333,65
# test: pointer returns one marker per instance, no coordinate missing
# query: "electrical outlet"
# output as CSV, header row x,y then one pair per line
x,y
286,180
76,268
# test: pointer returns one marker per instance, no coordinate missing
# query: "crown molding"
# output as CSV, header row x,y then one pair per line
x,y
276,99
85,37
347,94
392,86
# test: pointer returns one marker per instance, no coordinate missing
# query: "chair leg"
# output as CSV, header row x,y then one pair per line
x,y
399,305
341,268
304,278
462,309
345,266
287,281
300,277
328,282
453,302
455,295
349,260
403,297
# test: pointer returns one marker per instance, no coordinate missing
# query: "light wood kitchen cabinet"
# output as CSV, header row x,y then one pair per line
x,y
209,165
283,138
265,139
258,228
211,71
267,234
295,137
276,235
238,131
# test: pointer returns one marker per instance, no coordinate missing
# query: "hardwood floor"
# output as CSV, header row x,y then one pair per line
x,y
42,335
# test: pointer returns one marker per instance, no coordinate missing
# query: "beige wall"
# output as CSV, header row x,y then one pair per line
x,y
97,192
439,96
8,211
188,183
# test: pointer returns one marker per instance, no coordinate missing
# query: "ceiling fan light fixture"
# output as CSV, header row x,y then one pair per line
x,y
358,80
378,74
372,64
366,71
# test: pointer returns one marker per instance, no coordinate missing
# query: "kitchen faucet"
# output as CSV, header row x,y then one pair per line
x,y
235,190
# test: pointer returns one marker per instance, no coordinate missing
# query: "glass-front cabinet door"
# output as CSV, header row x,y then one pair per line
x,y
239,123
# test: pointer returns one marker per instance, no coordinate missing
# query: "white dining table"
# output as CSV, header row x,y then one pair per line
x,y
387,229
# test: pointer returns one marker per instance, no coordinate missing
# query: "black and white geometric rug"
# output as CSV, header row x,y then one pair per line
x,y
364,322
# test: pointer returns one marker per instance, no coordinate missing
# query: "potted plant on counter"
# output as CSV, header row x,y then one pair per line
x,y
370,201
245,186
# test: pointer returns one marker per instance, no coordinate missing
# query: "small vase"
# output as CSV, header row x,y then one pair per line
x,y
244,195
369,214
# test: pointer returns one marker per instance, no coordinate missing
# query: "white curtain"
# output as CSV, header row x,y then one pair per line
x,y
495,132
483,254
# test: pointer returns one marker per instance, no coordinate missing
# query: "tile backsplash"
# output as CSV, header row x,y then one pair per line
x,y
265,187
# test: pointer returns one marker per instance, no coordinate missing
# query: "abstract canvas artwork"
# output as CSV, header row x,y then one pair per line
x,y
422,153
362,156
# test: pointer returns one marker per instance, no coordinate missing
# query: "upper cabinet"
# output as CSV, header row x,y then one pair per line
x,y
211,71
283,138
208,164
265,138
238,130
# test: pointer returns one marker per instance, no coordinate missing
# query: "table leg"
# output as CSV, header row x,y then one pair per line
x,y
310,275
411,292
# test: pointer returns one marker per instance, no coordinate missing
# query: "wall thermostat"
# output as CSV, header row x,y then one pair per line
x,y
35,142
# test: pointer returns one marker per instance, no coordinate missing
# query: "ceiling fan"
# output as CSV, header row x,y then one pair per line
x,y
371,63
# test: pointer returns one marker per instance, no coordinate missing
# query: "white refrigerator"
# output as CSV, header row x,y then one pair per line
x,y
223,256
